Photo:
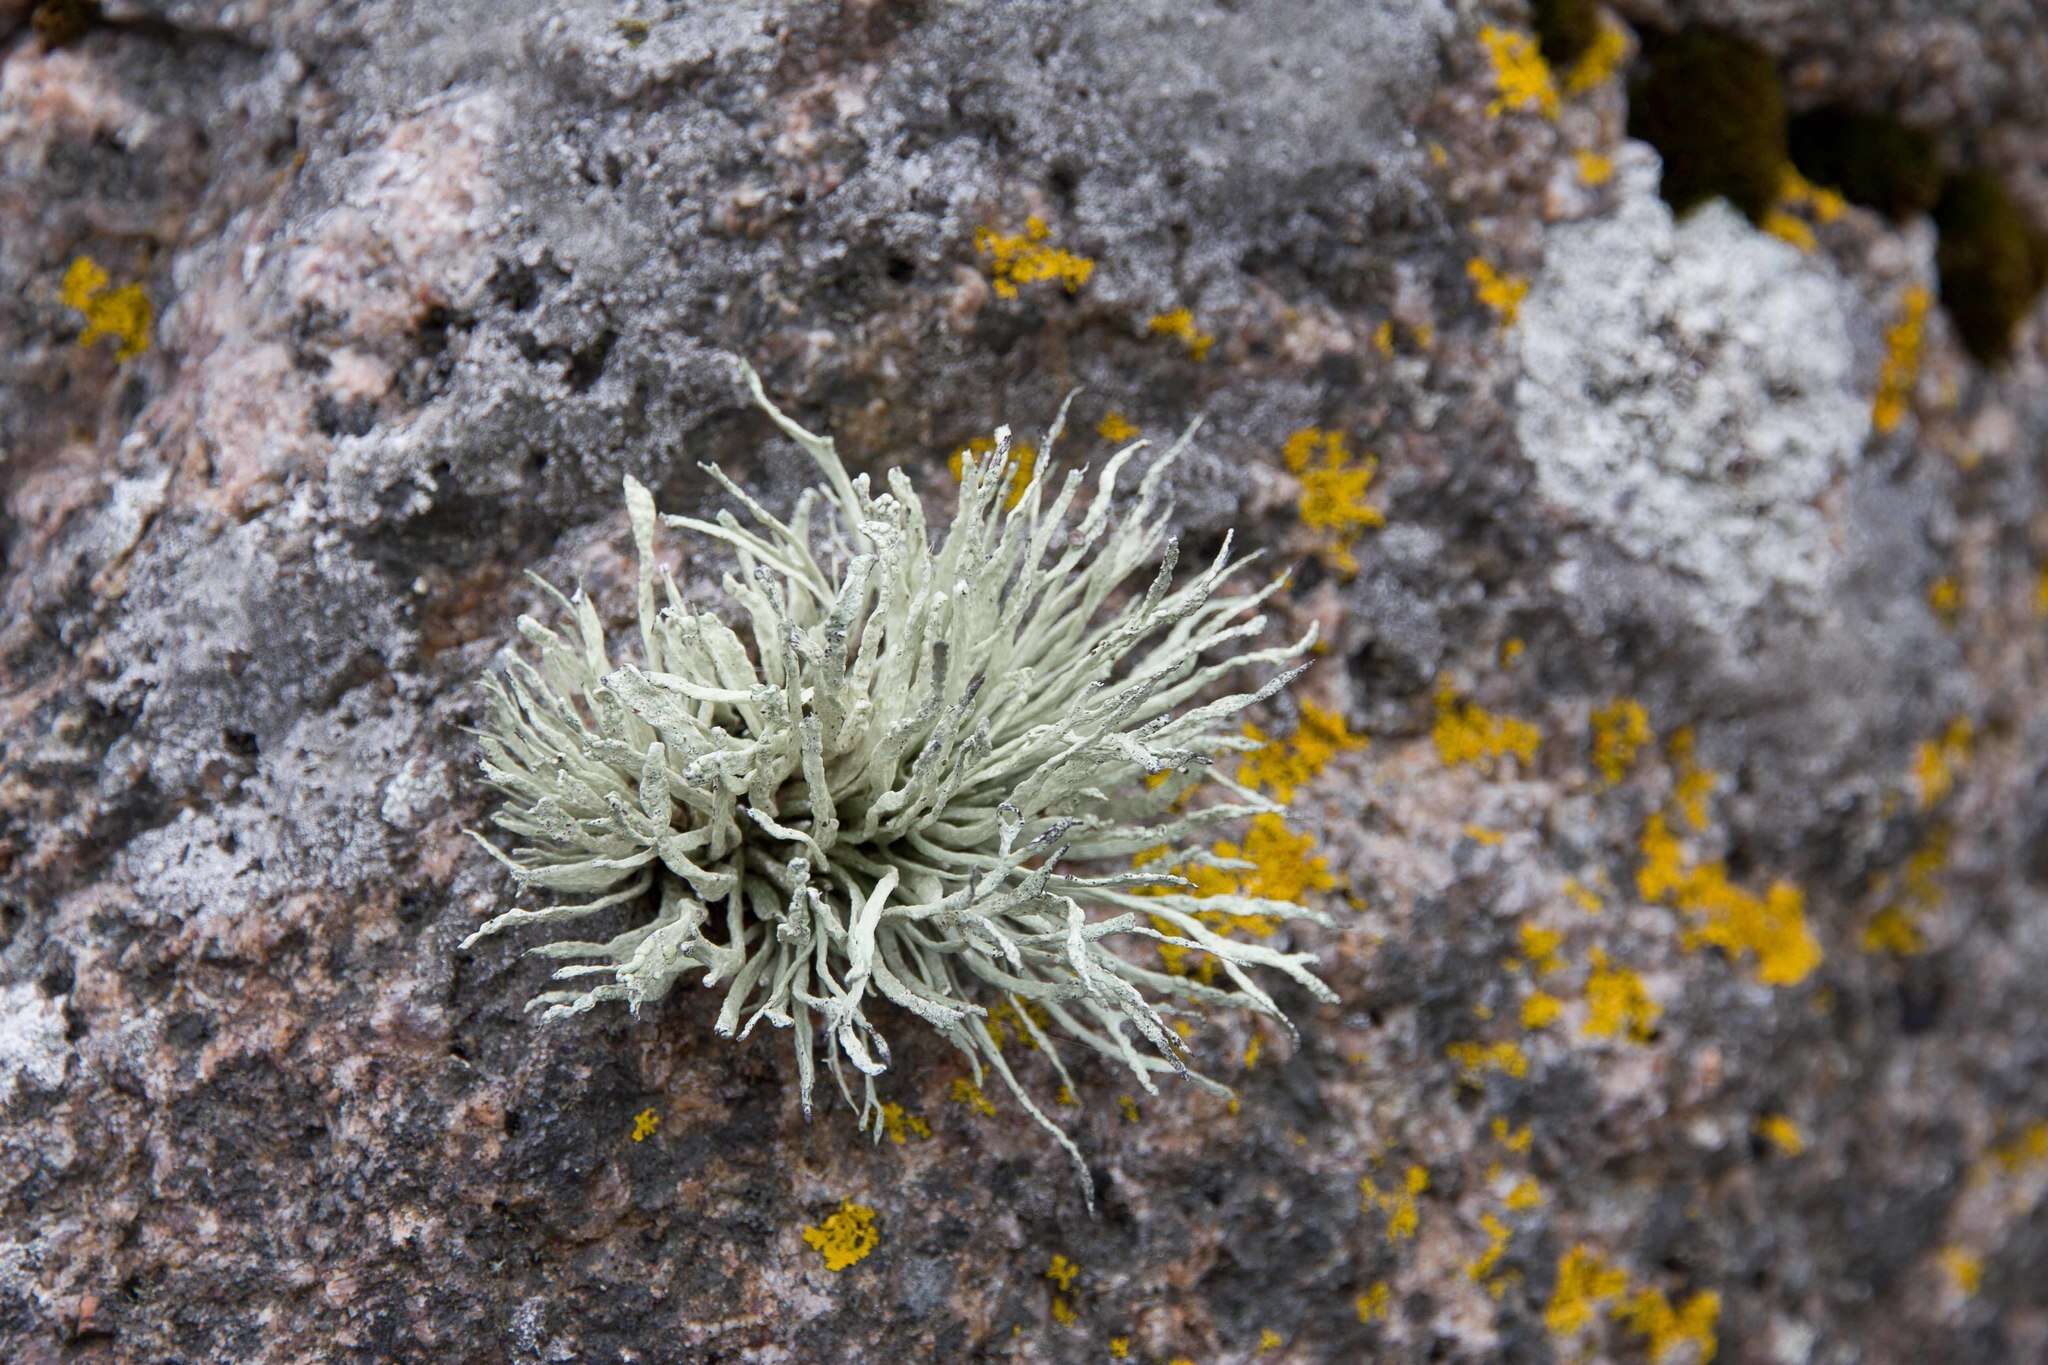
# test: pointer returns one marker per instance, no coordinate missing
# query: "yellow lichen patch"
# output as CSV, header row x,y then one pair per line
x,y
124,314
1180,323
1027,257
1795,191
1481,1268
1333,490
1501,292
1896,929
1475,1059
1484,837
1383,339
1280,766
1511,651
1788,228
899,1124
2041,594
2029,1148
845,1238
1251,1050
1620,730
1284,867
1063,1312
1119,1348
1116,428
1595,170
1782,1133
1005,1021
1901,369
1965,1270
1466,733
1128,1107
1540,1010
644,1124
1270,1340
1520,75
1372,1304
1583,1282
1599,62
1403,1216
968,1094
1945,599
1771,927
1062,1271
1540,948
1514,1139
1648,1313
1525,1195
1937,761
1892,930
1692,785
1580,895
1617,1003
1023,458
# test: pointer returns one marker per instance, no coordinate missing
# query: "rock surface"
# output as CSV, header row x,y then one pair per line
x,y
423,282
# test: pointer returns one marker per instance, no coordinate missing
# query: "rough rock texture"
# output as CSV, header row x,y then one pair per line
x,y
427,280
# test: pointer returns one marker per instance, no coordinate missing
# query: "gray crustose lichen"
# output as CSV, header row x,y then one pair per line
x,y
918,773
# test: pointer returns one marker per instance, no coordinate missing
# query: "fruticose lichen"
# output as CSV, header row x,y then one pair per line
x,y
919,776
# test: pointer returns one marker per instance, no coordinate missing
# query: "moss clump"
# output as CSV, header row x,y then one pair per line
x,y
1873,160
1991,262
1710,103
1565,30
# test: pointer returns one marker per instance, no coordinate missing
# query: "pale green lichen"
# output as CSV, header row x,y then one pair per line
x,y
919,777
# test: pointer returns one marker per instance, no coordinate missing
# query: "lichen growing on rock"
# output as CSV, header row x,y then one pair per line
x,y
919,781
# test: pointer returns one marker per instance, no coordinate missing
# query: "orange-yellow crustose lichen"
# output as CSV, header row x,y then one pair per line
x,y
1027,257
1599,62
1584,1281
2028,1148
1595,170
1771,927
1372,1304
1333,489
1945,599
1895,929
1901,370
123,314
1520,75
1128,1107
1965,1270
899,1124
1512,1138
1280,766
1062,1272
1023,459
1620,730
1398,1205
1782,1133
1937,761
966,1092
1475,1059
1116,428
1795,191
845,1238
1692,785
644,1124
1466,733
1481,1268
1180,323
1649,1314
1525,1195
1500,292
1617,1003
1539,949
1579,894
1787,227
2041,594
1540,1009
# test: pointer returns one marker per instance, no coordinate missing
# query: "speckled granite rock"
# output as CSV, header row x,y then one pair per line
x,y
425,281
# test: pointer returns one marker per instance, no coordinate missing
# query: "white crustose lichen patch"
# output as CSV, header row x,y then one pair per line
x,y
917,772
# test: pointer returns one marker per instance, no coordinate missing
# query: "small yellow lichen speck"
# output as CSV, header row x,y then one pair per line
x,y
1128,1107
1617,1002
1251,1050
644,1124
1474,1059
1062,1271
1599,62
1692,785
1372,1304
1782,1133
1520,74
1403,1217
845,1238
1965,1270
1514,1139
1540,948
2041,595
1280,766
1771,927
1497,1236
1484,837
1648,1313
1583,1281
1119,1348
1788,228
898,1123
1500,292
966,1092
1270,1340
1540,1010
1595,170
1333,491
1180,323
1116,428
1795,191
1062,1311
2030,1148
1026,257
1945,599
124,314
1023,458
1383,339
1511,651
1620,730
1937,761
1526,1195
1466,733
1578,894
1902,341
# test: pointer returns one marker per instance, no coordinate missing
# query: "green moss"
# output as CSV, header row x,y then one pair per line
x,y
1565,29
1710,103
1873,160
1991,261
